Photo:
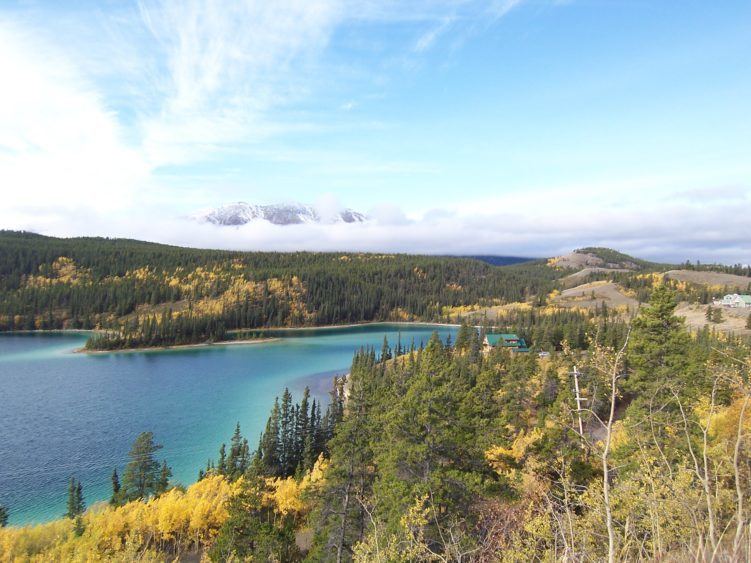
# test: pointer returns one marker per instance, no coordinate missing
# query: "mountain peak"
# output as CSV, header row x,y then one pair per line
x,y
241,213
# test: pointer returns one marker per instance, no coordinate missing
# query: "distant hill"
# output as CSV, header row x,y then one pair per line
x,y
584,262
501,260
606,258
709,278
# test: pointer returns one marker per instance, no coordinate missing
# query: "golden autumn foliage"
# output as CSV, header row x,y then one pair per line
x,y
503,460
62,271
286,496
174,522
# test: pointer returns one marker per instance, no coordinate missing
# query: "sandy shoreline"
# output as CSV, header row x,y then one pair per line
x,y
353,325
177,346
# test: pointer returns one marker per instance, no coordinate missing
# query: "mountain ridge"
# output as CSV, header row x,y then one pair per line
x,y
241,213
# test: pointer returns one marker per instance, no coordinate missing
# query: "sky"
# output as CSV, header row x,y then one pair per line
x,y
507,127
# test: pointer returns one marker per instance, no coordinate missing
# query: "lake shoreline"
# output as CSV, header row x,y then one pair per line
x,y
352,325
178,346
226,342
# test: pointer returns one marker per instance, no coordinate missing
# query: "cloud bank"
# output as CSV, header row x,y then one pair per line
x,y
536,224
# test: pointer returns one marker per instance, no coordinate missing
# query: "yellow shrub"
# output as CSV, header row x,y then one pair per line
x,y
176,519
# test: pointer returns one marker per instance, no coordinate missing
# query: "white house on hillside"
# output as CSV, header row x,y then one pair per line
x,y
734,300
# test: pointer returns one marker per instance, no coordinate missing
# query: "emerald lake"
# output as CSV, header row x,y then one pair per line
x,y
66,414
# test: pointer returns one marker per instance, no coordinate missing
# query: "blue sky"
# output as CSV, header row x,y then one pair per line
x,y
507,127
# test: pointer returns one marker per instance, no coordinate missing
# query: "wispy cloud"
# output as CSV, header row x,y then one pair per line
x,y
227,65
499,8
427,39
177,82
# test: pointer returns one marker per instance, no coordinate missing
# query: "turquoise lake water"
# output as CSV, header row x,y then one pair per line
x,y
64,414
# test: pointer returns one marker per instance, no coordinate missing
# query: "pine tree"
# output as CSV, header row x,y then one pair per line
x,y
659,345
222,465
342,517
3,516
118,493
717,316
302,425
385,350
269,446
76,503
464,337
238,460
78,526
142,474
251,532
287,425
80,502
164,477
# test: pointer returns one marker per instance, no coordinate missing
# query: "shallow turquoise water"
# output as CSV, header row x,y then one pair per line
x,y
64,414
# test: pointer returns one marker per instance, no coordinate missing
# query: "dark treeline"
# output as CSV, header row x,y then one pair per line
x,y
684,291
737,269
162,330
295,436
126,286
545,330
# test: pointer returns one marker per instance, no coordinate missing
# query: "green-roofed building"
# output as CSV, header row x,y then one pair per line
x,y
506,340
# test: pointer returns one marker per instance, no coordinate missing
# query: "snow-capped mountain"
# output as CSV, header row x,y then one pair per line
x,y
240,213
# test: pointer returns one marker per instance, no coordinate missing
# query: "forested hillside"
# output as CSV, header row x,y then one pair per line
x,y
456,453
150,294
139,294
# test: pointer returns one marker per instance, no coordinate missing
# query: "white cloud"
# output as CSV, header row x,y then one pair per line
x,y
500,8
60,146
227,65
427,39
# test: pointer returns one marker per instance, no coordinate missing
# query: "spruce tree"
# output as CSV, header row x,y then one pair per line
x,y
464,337
286,434
342,517
717,316
222,465
164,476
269,446
385,350
118,494
142,474
238,460
251,531
302,430
658,343
76,504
